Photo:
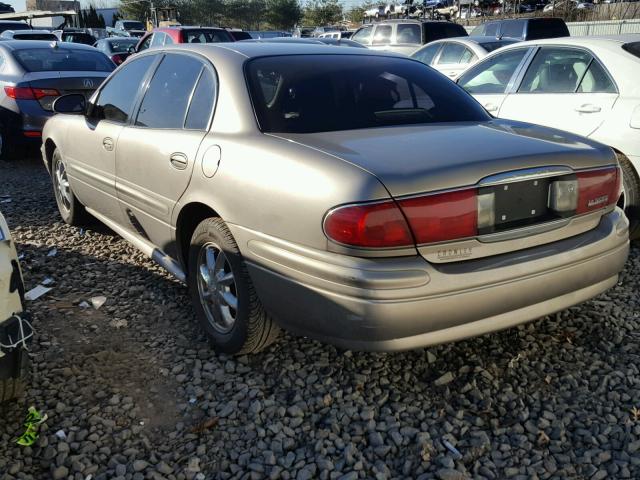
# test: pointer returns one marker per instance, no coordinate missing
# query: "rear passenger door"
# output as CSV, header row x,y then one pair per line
x,y
565,88
157,151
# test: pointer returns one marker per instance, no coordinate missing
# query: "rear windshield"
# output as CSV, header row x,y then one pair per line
x,y
240,35
546,28
491,46
321,93
35,36
121,46
83,38
633,48
62,60
436,31
206,36
14,26
132,25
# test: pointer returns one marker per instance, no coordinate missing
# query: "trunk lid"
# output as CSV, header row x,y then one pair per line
x,y
515,169
84,83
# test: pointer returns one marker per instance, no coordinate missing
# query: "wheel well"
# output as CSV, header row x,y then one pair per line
x,y
49,148
189,218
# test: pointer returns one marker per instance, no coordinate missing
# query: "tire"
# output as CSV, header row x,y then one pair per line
x,y
13,387
71,210
630,200
247,328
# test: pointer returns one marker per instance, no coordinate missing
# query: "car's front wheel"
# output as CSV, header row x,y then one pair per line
x,y
223,294
630,200
70,208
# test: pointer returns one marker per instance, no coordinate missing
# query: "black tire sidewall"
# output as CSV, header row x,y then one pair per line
x,y
214,231
67,216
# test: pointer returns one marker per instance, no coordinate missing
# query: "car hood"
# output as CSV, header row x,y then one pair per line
x,y
415,159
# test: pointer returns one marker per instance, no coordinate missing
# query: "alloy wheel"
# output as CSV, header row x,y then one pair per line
x,y
62,185
217,288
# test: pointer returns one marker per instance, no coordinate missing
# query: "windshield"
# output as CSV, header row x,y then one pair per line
x,y
62,60
633,48
132,25
320,93
122,45
206,36
491,46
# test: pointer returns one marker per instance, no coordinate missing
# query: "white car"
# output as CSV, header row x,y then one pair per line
x,y
584,85
15,330
452,56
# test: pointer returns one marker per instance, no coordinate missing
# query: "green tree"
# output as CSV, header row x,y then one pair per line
x,y
283,14
322,12
356,14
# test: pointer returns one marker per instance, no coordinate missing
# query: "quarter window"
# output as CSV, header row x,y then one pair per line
x,y
493,75
166,100
382,35
596,80
201,102
147,42
158,39
556,70
115,101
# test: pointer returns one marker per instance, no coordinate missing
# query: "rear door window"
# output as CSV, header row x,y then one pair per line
x,y
408,33
555,70
451,53
428,53
492,76
382,35
158,39
512,29
596,80
202,102
165,101
116,98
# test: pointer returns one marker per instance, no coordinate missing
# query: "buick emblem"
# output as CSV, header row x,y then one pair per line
x,y
88,83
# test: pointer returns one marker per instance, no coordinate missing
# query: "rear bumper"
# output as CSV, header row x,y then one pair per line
x,y
404,303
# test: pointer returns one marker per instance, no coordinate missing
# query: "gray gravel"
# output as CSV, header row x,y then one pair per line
x,y
140,395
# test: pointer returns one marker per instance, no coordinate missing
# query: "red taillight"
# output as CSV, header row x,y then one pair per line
x,y
443,216
117,58
32,133
28,93
598,188
375,225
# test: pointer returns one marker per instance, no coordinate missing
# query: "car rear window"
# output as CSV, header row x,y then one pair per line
x,y
240,36
62,60
437,30
34,36
122,46
206,36
633,48
133,25
75,37
320,93
546,28
14,26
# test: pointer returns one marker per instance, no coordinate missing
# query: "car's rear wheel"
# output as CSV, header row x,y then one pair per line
x,y
223,294
630,199
70,208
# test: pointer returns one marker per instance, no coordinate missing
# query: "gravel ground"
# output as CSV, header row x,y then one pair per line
x,y
140,395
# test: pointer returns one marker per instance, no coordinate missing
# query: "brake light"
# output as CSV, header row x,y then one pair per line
x,y
598,188
28,93
32,133
443,216
117,58
374,225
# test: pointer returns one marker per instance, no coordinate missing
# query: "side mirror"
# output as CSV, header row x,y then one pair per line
x,y
72,103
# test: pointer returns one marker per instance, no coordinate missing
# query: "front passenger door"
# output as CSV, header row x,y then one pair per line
x,y
157,151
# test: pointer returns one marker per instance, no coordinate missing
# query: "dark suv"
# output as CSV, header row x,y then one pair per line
x,y
523,28
405,36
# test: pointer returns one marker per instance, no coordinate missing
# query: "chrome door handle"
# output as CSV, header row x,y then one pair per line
x,y
179,161
588,108
107,143
490,107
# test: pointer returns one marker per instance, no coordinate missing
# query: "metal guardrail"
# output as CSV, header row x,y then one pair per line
x,y
581,29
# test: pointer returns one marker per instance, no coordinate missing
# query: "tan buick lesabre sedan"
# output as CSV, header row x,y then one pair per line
x,y
355,197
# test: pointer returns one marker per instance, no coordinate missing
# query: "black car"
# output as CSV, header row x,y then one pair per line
x,y
13,25
523,28
34,74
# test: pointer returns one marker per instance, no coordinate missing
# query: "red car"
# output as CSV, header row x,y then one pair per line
x,y
181,34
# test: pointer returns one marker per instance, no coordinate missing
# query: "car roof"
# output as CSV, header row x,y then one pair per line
x,y
249,49
186,27
611,42
26,44
413,20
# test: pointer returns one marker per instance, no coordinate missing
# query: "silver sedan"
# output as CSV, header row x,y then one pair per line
x,y
349,195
